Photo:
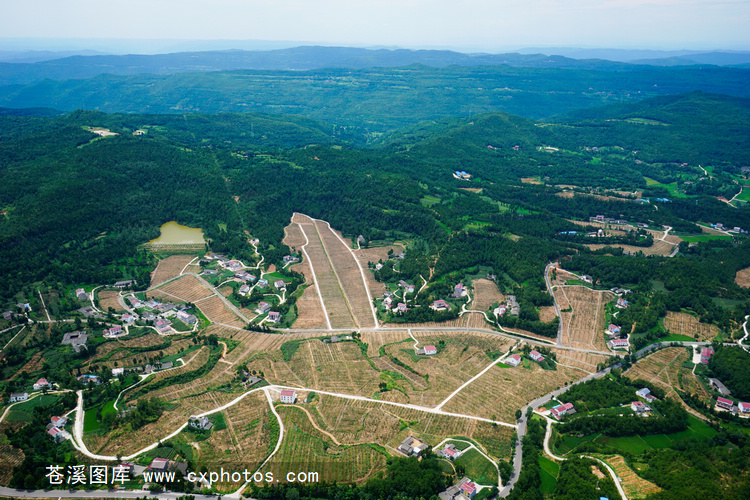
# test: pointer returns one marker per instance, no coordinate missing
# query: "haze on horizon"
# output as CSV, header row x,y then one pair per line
x,y
468,25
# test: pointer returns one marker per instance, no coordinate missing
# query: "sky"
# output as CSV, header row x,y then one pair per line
x,y
487,25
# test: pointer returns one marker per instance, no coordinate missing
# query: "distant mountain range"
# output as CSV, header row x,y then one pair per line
x,y
36,66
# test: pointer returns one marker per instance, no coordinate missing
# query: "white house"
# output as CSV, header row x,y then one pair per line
x,y
536,356
264,307
42,384
619,344
429,350
288,396
513,360
19,396
274,317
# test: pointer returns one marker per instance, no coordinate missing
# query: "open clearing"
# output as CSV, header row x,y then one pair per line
x,y
169,268
584,326
665,369
583,360
684,324
742,278
109,298
485,294
187,288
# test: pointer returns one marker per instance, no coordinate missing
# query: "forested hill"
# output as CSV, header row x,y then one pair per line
x,y
296,58
375,100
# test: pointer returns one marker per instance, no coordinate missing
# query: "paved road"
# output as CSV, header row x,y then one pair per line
x,y
521,430
554,301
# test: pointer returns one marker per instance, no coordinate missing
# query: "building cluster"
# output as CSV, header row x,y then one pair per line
x,y
511,307
411,446
465,489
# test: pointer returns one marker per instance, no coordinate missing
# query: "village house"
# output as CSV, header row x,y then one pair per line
x,y
721,388
81,294
123,284
402,284
75,340
440,305
89,379
280,285
469,489
244,289
233,265
515,309
290,258
613,330
387,302
618,344
458,291
264,307
450,452
200,423
462,490
412,446
116,372
639,407
127,318
8,315
19,396
429,350
57,435
587,278
706,354
114,331
242,276
645,393
724,403
378,266
186,317
159,464
409,289
288,396
622,303
500,310
744,408
59,422
163,325
513,360
536,356
560,410
262,283
401,307
274,317
42,384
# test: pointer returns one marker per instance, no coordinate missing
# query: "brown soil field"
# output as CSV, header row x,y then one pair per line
x,y
635,486
9,458
375,340
169,268
349,275
309,312
685,324
216,311
328,284
742,278
485,294
107,299
187,289
658,248
547,313
517,385
664,368
473,190
584,326
584,360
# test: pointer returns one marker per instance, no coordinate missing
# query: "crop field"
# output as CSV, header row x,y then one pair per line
x,y
485,294
742,278
305,448
353,422
327,282
375,340
9,458
169,268
478,468
125,358
309,311
513,387
635,486
664,368
584,360
547,313
584,326
685,324
217,311
187,289
349,275
107,299
660,247
339,367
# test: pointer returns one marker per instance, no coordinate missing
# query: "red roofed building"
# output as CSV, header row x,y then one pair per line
x,y
536,356
469,489
440,305
744,407
59,421
727,404
706,354
513,360
288,396
42,384
56,434
560,410
430,350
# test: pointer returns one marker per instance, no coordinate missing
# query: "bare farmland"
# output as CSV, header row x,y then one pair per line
x,y
584,326
685,324
187,288
169,268
485,294
216,310
742,278
109,298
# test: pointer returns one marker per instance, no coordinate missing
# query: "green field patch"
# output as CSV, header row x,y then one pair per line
x,y
478,468
90,423
570,443
631,444
23,412
174,357
428,200
549,474
705,237
658,441
727,303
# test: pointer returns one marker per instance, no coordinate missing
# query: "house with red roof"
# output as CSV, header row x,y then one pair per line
x,y
618,344
288,396
159,464
401,307
724,403
513,360
264,307
42,384
57,435
274,317
563,409
469,489
536,356
744,408
450,452
59,422
440,305
639,407
613,330
280,285
429,350
706,354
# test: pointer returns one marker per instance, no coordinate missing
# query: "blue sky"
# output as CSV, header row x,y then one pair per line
x,y
489,25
